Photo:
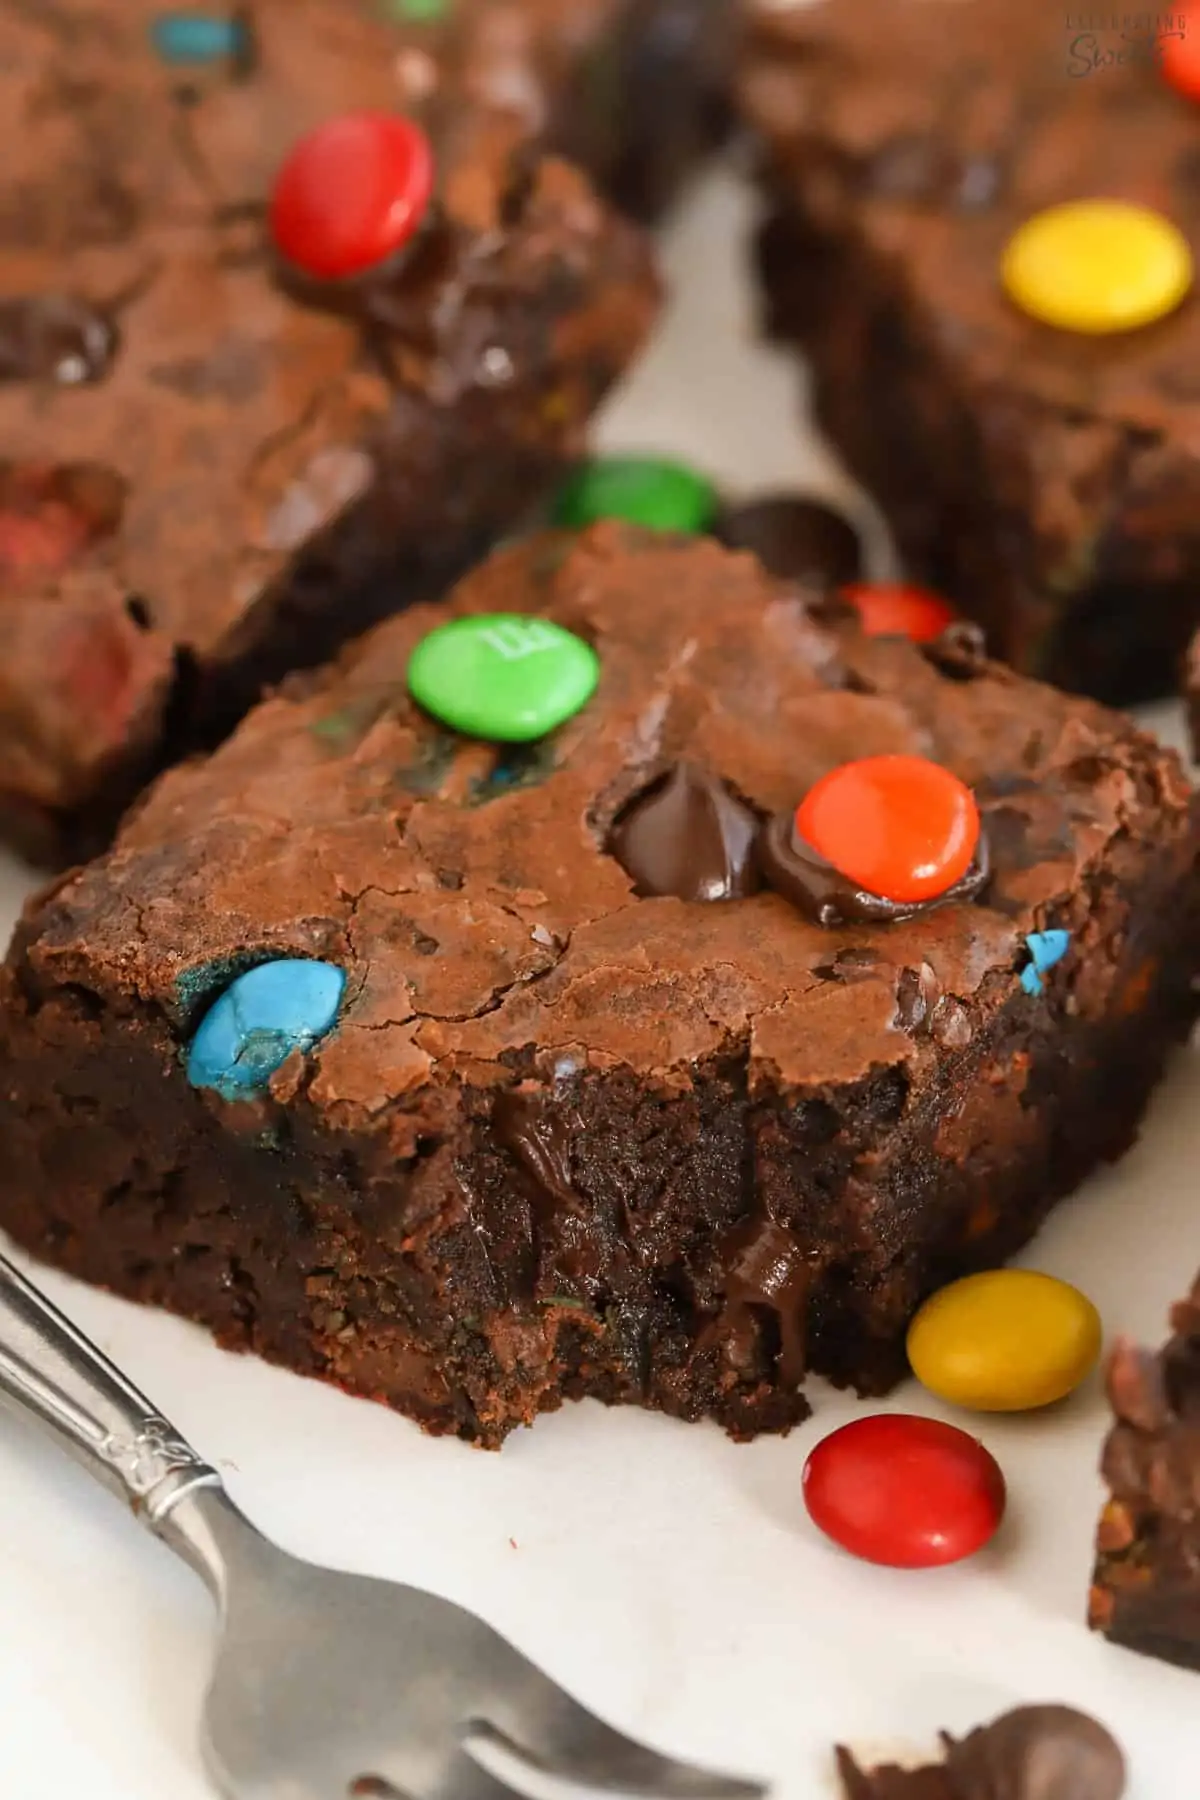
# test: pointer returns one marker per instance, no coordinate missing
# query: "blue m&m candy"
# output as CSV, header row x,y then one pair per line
x,y
185,38
252,1029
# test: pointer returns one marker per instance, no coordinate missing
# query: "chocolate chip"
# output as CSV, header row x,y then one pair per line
x,y
959,652
55,337
1038,1753
1031,1753
688,836
917,993
951,1024
795,538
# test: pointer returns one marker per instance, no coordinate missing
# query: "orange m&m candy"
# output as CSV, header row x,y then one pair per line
x,y
899,826
895,609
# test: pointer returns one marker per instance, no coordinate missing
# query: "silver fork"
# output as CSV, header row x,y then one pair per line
x,y
327,1686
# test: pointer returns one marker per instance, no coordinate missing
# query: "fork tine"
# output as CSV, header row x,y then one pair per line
x,y
545,1726
465,1779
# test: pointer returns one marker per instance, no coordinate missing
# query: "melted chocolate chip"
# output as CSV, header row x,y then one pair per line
x,y
1038,1753
400,297
540,1140
687,836
796,539
1031,1753
795,870
538,1130
55,337
764,1270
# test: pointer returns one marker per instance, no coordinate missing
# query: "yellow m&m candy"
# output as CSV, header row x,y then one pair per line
x,y
1097,266
1005,1341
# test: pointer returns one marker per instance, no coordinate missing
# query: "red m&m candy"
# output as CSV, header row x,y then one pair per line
x,y
894,609
1179,50
351,193
899,826
908,1492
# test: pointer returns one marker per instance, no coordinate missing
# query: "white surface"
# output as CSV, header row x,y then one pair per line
x,y
669,1575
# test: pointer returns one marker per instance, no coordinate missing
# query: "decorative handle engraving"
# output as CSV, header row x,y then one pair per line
x,y
149,1456
51,1371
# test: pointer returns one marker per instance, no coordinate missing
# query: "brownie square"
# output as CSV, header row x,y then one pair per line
x,y
214,472
562,1139
1046,481
1146,1588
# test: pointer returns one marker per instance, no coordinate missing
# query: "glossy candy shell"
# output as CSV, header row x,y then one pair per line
x,y
907,1492
1005,1341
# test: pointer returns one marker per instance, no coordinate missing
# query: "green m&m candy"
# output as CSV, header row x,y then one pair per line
x,y
503,676
642,490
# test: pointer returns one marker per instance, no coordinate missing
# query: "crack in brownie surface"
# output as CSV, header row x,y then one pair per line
x,y
730,1141
300,462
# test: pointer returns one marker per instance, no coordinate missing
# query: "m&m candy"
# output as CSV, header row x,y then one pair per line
x,y
502,676
1004,1341
897,609
183,38
643,490
1097,266
262,1017
1179,50
351,193
899,826
907,1492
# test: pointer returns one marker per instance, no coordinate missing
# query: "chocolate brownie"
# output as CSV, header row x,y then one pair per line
x,y
599,1113
1044,479
1192,693
1146,1588
216,469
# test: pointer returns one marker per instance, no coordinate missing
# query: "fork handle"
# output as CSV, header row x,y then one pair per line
x,y
52,1372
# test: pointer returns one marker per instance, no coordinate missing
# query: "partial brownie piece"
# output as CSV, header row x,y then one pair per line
x,y
564,1140
217,469
1045,480
1146,1588
1192,694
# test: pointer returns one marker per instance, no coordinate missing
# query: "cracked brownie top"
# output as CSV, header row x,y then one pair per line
x,y
471,894
186,419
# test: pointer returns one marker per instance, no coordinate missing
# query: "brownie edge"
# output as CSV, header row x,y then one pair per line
x,y
1146,1587
563,1140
